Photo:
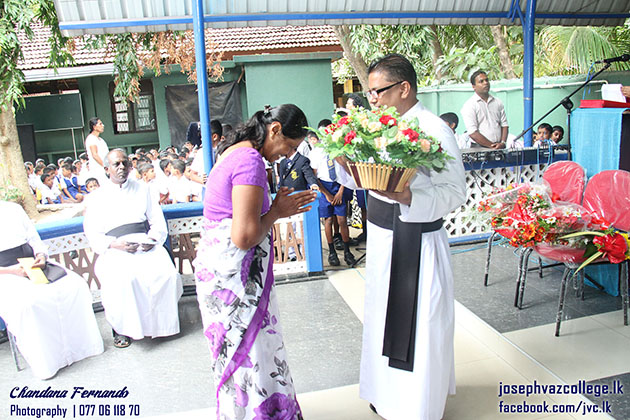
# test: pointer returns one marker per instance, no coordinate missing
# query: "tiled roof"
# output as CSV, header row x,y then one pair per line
x,y
231,41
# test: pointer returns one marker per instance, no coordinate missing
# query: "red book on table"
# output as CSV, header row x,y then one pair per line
x,y
600,103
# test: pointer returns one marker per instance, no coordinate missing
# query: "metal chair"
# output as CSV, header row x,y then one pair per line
x,y
566,180
607,194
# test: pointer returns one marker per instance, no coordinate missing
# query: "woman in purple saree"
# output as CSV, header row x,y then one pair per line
x,y
234,269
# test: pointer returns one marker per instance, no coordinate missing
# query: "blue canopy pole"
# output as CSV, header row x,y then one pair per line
x,y
202,84
528,70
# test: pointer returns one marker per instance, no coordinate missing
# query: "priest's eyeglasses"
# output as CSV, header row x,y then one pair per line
x,y
373,93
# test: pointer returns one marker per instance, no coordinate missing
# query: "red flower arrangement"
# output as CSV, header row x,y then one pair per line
x,y
528,215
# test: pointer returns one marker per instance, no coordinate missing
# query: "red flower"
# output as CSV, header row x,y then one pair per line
x,y
387,120
555,196
349,137
330,129
613,246
411,135
343,121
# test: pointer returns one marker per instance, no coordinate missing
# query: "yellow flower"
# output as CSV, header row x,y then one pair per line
x,y
402,125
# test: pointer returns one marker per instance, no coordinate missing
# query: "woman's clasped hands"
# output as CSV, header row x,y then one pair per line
x,y
286,204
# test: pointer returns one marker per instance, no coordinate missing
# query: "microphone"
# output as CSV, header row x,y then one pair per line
x,y
625,57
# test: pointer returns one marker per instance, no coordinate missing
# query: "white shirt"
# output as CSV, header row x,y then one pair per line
x,y
96,170
18,229
486,117
180,189
112,205
304,148
32,181
319,163
52,193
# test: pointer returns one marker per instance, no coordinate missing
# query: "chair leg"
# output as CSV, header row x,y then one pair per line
x,y
519,275
14,350
526,255
488,256
540,268
623,289
563,289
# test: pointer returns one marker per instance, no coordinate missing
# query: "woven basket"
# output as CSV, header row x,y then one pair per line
x,y
374,176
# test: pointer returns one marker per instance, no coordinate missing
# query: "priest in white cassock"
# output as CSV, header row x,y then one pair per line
x,y
53,324
407,361
140,286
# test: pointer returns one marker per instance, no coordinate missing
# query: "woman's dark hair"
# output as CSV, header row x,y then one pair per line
x,y
290,117
92,123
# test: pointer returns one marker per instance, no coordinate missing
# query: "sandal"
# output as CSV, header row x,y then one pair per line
x,y
121,341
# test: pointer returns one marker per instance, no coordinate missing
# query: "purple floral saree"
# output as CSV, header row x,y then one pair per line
x,y
240,319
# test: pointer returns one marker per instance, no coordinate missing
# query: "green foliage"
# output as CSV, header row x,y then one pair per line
x,y
459,63
16,16
464,48
571,50
128,70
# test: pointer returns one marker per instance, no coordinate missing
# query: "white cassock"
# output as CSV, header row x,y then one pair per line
x,y
420,394
53,324
139,291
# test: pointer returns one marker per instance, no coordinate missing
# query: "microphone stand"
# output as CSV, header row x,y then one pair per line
x,y
568,105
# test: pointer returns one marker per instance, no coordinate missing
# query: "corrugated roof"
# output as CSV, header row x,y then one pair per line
x,y
231,41
78,17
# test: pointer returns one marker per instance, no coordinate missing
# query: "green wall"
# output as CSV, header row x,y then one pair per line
x,y
548,92
302,79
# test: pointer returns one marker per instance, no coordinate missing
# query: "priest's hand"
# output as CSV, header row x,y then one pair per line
x,y
15,270
403,197
149,245
122,245
40,261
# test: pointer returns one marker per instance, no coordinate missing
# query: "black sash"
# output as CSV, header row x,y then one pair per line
x,y
140,227
9,257
400,322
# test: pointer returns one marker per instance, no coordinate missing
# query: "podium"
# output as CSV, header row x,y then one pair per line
x,y
600,140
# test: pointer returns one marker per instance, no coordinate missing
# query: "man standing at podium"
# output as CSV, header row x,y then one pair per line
x,y
484,115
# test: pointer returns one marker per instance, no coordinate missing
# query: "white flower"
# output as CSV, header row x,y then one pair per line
x,y
337,135
375,126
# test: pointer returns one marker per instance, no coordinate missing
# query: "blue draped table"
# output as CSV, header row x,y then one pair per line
x,y
596,145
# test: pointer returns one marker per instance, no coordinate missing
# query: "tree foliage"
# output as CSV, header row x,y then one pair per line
x,y
17,16
560,50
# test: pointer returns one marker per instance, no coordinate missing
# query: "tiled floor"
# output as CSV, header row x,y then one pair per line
x,y
322,322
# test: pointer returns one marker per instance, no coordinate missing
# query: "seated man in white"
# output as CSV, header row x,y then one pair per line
x,y
140,286
53,324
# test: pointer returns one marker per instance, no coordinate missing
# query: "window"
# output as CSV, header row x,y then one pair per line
x,y
134,117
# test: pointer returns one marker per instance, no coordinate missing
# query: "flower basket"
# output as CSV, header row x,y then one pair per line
x,y
384,151
381,177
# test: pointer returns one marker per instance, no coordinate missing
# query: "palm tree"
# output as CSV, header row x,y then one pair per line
x,y
573,49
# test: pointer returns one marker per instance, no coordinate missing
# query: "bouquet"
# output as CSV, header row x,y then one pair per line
x,y
529,215
384,151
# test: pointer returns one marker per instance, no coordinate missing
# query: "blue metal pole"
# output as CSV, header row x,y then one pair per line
x,y
202,84
528,70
